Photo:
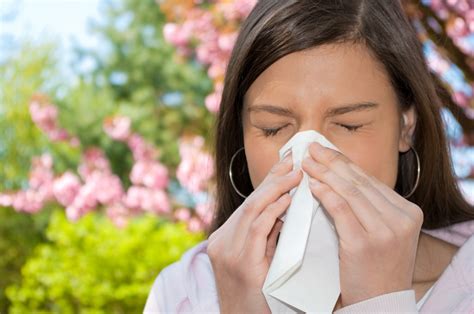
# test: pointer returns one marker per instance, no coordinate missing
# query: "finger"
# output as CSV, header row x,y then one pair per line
x,y
326,155
259,199
367,214
347,224
392,196
344,167
255,246
268,193
281,168
272,239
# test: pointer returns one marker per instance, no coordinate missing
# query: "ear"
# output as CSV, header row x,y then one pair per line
x,y
407,128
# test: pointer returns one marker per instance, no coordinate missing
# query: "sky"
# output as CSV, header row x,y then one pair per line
x,y
64,21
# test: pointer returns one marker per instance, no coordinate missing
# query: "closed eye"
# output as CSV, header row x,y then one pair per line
x,y
272,131
350,128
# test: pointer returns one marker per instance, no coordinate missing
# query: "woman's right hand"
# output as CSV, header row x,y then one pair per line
x,y
241,250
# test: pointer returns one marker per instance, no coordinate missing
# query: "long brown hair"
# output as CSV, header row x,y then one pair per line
x,y
276,28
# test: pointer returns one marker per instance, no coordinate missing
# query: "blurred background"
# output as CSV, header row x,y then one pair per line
x,y
106,115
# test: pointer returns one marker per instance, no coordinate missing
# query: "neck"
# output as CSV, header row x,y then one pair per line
x,y
432,257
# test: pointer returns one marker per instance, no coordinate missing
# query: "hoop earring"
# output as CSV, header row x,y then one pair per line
x,y
418,170
230,173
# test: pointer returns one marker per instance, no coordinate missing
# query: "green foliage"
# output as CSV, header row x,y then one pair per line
x,y
33,69
22,75
162,93
19,234
93,267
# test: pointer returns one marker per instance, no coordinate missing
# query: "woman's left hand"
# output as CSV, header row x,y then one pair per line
x,y
378,229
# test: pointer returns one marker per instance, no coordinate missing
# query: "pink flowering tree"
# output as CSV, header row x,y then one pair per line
x,y
93,185
131,137
207,32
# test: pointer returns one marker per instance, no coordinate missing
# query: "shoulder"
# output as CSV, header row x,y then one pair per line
x,y
454,290
463,264
456,234
185,286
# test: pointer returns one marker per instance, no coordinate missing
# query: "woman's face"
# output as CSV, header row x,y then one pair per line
x,y
308,90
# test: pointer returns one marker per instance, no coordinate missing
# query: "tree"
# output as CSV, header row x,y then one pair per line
x,y
32,69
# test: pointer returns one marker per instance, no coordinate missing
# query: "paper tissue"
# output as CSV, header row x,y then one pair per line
x,y
304,273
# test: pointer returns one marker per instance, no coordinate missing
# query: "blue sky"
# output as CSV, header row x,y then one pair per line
x,y
64,21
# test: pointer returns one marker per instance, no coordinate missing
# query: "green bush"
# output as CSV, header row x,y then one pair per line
x,y
93,267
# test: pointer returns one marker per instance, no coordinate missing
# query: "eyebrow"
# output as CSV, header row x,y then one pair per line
x,y
282,111
351,108
339,110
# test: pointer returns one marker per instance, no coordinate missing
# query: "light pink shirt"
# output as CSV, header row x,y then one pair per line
x,y
188,285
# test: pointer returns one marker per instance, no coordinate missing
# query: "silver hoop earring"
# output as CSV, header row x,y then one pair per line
x,y
230,173
418,170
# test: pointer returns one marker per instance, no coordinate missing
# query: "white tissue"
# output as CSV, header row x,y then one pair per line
x,y
304,273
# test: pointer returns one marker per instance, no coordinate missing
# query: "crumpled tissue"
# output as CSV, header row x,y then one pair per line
x,y
304,272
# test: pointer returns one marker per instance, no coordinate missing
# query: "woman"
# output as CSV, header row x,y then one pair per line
x,y
353,71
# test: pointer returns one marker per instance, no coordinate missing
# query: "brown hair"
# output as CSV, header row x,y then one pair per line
x,y
276,28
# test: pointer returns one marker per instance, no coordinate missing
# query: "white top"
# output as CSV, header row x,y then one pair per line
x,y
423,299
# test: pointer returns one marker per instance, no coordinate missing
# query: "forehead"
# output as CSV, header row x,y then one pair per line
x,y
329,73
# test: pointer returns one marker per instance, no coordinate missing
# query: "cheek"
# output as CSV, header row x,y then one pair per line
x,y
260,159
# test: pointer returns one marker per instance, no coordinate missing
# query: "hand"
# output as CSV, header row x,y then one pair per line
x,y
241,250
378,229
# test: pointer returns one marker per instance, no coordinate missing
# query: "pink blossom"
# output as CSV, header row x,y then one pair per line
x,y
195,225
460,98
133,197
470,20
6,200
227,41
458,28
41,177
147,199
58,135
150,174
160,201
66,187
177,35
94,159
205,212
118,128
216,70
200,32
437,63
119,214
108,187
28,201
196,167
74,141
213,100
182,214
45,115
73,213
141,150
467,190
84,202
236,10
